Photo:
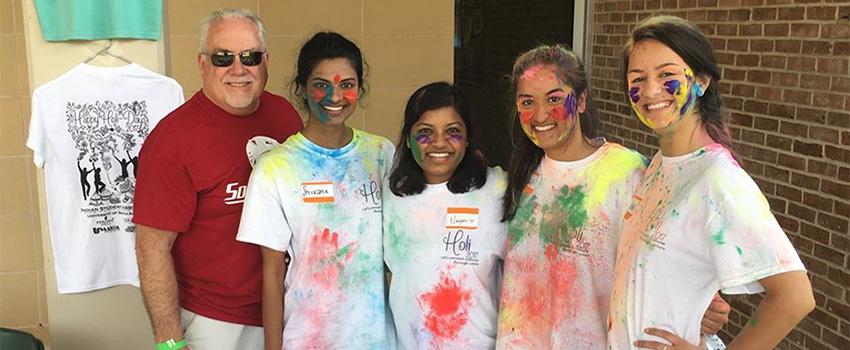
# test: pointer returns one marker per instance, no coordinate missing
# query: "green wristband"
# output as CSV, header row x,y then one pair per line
x,y
170,344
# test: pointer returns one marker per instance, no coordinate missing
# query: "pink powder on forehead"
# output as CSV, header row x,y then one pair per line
x,y
531,72
336,79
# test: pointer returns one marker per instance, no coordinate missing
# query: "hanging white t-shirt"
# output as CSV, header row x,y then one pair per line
x,y
86,130
323,207
561,249
698,224
445,253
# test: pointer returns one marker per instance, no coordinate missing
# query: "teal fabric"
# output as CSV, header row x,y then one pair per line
x,y
18,340
99,19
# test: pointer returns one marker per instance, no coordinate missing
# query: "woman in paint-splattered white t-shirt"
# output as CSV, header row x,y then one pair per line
x,y
443,239
699,223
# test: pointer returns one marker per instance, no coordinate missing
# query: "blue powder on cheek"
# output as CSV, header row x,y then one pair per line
x,y
673,87
633,94
317,108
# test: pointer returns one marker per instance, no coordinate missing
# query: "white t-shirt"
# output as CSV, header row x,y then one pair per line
x,y
86,130
561,250
445,252
323,207
699,224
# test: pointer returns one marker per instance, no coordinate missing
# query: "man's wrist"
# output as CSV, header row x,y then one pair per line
x,y
171,344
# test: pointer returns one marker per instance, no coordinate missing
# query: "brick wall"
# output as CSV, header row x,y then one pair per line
x,y
491,34
786,87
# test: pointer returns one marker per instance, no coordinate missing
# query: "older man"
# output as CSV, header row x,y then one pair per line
x,y
202,288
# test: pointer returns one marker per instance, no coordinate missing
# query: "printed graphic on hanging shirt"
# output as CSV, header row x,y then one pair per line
x,y
698,215
323,206
561,249
87,128
444,250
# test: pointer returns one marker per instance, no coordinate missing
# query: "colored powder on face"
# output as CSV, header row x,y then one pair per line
x,y
319,98
458,138
634,94
571,105
673,87
719,237
531,72
415,148
351,96
558,113
446,308
336,79
525,116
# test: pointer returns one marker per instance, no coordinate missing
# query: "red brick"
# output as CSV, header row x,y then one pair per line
x,y
837,154
832,338
776,29
793,129
725,58
822,168
832,65
758,76
743,90
811,115
718,15
764,14
841,48
790,13
801,64
845,137
746,60
753,106
752,2
806,30
778,174
816,234
741,119
841,120
836,189
824,134
829,254
788,192
727,29
840,84
734,74
752,136
754,29
769,94
740,45
697,16
820,48
761,45
797,96
770,61
789,46
786,79
780,110
653,4
707,3
828,100
717,43
821,13
766,124
836,31
818,202
779,142
832,222
799,211
844,174
807,148
733,103
739,15
812,81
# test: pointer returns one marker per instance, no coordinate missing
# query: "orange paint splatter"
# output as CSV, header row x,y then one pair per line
x,y
446,308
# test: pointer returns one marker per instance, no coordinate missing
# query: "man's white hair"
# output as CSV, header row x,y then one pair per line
x,y
228,14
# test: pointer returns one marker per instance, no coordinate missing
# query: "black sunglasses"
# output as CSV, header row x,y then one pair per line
x,y
225,58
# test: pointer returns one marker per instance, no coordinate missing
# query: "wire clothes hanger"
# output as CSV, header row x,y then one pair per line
x,y
105,51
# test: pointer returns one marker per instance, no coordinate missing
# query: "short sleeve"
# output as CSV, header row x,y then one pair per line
x,y
263,218
747,243
165,196
37,139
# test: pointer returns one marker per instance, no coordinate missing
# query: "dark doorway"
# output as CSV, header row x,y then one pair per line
x,y
489,34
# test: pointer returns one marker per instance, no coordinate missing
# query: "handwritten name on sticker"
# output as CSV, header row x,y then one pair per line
x,y
462,218
317,192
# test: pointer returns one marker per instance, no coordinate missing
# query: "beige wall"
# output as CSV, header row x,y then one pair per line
x,y
406,44
22,294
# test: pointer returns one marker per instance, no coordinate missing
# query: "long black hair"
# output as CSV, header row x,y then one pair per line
x,y
325,46
686,40
526,155
406,177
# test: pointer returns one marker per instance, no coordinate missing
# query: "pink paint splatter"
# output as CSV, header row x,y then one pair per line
x,y
447,307
350,95
327,259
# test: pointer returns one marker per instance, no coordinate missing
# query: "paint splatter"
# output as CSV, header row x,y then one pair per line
x,y
446,309
719,237
524,218
327,258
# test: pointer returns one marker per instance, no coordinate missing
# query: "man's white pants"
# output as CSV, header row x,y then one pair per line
x,y
204,333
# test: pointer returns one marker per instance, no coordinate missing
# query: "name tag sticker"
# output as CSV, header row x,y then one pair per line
x,y
462,218
317,192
